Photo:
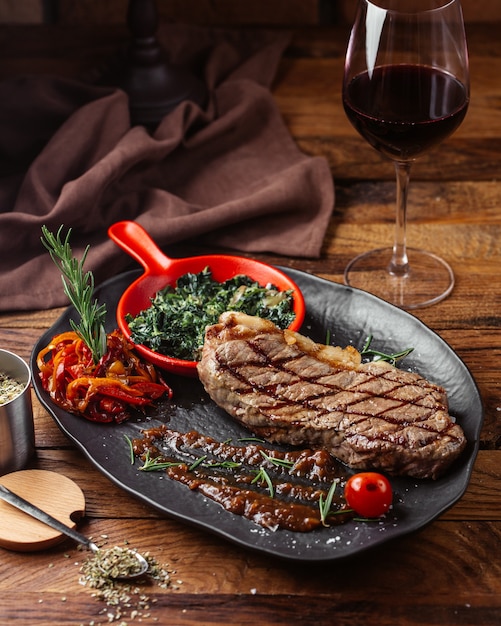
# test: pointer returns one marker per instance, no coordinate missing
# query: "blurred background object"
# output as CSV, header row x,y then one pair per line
x,y
154,85
208,12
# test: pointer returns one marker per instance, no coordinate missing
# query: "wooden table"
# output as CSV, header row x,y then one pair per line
x,y
449,572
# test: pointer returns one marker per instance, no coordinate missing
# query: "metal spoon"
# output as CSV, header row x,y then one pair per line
x,y
27,507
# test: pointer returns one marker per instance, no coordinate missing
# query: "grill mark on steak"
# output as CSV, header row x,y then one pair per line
x,y
281,364
368,415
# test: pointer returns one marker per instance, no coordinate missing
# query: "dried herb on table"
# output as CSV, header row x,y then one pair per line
x,y
123,599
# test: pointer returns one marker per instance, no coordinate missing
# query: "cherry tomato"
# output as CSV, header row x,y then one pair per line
x,y
369,494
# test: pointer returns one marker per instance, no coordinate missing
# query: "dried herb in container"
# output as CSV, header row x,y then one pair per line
x,y
9,388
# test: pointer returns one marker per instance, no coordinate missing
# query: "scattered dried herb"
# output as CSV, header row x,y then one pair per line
x,y
115,562
124,600
9,388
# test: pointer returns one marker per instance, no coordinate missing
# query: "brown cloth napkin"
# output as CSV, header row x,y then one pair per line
x,y
229,175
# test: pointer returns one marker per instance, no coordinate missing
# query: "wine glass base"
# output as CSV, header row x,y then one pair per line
x,y
428,281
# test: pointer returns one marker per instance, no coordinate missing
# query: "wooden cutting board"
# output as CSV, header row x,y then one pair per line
x,y
54,493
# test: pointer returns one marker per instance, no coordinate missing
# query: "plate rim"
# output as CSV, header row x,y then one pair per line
x,y
288,554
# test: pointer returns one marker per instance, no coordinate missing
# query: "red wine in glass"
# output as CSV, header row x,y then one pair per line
x,y
403,110
405,90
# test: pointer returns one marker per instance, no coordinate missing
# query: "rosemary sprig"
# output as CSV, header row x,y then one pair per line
x,y
376,355
382,356
79,287
223,464
277,462
198,462
132,456
262,476
154,465
250,440
325,504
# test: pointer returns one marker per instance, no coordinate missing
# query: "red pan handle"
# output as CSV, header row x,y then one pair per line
x,y
132,238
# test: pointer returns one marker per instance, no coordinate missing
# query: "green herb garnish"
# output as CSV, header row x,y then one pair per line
x,y
250,440
277,462
262,476
156,464
382,356
79,287
132,456
175,322
198,462
223,464
375,355
325,504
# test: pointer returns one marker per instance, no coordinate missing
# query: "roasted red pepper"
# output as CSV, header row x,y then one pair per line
x,y
102,392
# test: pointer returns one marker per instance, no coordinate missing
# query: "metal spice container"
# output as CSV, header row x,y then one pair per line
x,y
17,434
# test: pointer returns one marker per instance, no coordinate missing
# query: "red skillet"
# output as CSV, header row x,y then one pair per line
x,y
160,271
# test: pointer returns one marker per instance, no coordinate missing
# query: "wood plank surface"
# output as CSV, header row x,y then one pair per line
x,y
448,573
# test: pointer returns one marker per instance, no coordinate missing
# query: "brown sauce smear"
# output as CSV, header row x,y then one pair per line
x,y
230,475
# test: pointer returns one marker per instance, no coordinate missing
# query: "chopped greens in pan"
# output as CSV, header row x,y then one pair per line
x,y
175,322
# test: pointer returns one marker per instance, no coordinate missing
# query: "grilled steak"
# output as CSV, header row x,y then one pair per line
x,y
287,389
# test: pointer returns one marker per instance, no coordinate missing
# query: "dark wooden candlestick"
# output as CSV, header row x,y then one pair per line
x,y
153,85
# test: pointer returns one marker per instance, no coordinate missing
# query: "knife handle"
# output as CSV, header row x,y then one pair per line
x,y
27,507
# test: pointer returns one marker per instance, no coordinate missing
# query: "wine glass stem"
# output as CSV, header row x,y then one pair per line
x,y
399,264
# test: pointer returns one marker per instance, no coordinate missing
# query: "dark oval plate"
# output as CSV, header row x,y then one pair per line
x,y
350,316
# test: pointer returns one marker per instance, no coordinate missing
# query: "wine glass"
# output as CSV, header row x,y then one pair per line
x,y
405,89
